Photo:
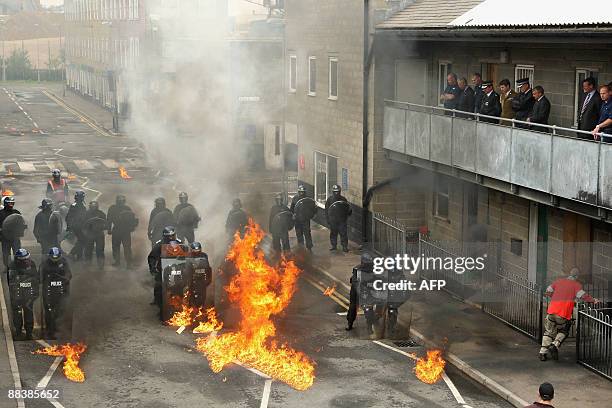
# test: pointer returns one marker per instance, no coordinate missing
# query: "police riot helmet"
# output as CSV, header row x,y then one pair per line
x,y
196,248
120,200
301,190
160,202
22,254
93,205
9,202
46,203
278,199
237,204
79,195
336,189
56,173
55,254
183,197
366,259
169,233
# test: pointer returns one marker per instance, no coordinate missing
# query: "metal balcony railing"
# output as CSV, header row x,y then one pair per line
x,y
546,158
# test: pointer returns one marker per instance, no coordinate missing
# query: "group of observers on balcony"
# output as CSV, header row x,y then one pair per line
x,y
527,105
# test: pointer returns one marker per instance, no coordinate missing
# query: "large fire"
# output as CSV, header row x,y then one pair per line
x,y
430,369
123,173
260,291
72,354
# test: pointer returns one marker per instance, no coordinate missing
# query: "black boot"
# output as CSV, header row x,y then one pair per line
x,y
554,352
332,248
349,327
542,356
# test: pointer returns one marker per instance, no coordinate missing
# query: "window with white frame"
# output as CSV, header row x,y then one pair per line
x,y
326,175
292,73
333,78
444,68
441,197
524,71
581,75
312,76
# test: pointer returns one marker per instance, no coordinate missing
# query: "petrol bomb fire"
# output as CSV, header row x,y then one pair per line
x,y
330,290
71,177
123,173
212,324
430,369
7,193
260,291
72,355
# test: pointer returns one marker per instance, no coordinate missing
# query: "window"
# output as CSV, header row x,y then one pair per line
x,y
333,78
277,140
441,195
292,73
326,175
444,68
524,71
516,245
581,75
312,76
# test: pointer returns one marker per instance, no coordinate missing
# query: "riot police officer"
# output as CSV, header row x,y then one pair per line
x,y
186,217
10,242
337,211
154,261
199,274
121,223
361,273
74,224
42,232
303,209
57,187
237,219
55,274
159,218
93,230
24,287
281,222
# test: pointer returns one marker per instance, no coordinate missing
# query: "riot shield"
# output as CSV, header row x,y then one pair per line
x,y
338,212
188,217
13,227
159,222
173,278
126,221
57,313
282,222
24,289
199,279
94,227
305,209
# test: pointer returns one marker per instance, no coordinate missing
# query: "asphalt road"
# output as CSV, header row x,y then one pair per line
x,y
134,361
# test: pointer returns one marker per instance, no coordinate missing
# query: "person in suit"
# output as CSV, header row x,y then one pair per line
x,y
590,108
490,105
478,92
541,110
466,99
522,104
506,97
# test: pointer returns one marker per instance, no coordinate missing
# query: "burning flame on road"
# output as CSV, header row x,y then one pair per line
x,y
212,324
72,354
261,291
330,290
7,193
72,177
431,369
123,173
183,317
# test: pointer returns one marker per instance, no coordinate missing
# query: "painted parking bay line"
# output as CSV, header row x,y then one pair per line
x,y
26,166
84,165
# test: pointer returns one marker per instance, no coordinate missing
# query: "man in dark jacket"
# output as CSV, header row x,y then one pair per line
x,y
95,224
590,108
23,280
490,105
541,110
337,211
157,224
237,220
8,243
55,274
74,224
43,234
281,222
187,219
121,223
547,393
466,98
478,92
522,104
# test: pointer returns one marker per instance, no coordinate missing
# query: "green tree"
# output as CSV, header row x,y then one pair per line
x,y
18,65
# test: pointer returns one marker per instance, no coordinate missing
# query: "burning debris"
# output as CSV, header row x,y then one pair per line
x,y
330,290
7,193
430,369
211,324
189,316
71,177
72,355
124,174
261,291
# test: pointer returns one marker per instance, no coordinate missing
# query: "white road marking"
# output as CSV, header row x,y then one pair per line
x,y
110,163
45,380
26,167
10,347
253,370
84,165
55,403
55,165
266,394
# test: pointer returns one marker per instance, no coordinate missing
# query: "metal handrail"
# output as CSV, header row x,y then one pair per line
x,y
554,128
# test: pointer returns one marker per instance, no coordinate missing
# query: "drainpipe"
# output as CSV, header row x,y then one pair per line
x,y
365,120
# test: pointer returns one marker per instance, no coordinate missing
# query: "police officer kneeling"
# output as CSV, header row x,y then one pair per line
x,y
361,273
55,274
23,283
199,274
155,264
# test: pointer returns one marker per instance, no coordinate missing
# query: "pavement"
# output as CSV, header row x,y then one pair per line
x,y
477,344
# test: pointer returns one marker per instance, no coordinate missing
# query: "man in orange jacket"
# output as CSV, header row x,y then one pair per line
x,y
563,293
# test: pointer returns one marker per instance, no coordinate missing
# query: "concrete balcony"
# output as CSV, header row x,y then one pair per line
x,y
552,166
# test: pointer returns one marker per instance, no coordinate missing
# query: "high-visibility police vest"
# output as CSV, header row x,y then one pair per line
x,y
59,190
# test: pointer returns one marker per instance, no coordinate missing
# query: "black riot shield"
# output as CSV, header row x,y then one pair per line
x,y
305,209
188,217
94,227
126,222
174,282
199,280
13,227
24,289
282,222
55,287
338,212
159,222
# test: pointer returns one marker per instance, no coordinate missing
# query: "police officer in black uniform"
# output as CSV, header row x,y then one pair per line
x,y
199,274
8,243
280,225
302,221
121,223
153,227
95,236
185,225
337,220
237,219
155,267
42,232
523,103
24,287
362,272
490,105
55,274
74,224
